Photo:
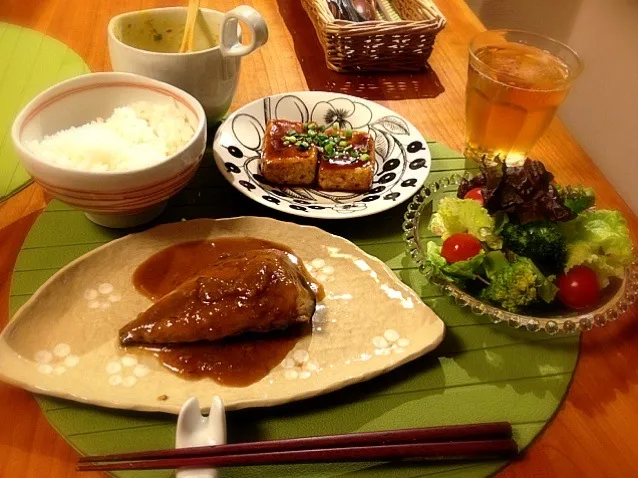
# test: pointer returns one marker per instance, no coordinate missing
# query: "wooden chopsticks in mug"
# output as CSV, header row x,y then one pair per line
x,y
189,29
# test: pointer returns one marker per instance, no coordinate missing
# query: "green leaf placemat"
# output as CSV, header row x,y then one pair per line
x,y
30,62
480,373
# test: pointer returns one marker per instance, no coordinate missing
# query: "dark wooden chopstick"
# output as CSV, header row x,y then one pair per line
x,y
424,451
411,435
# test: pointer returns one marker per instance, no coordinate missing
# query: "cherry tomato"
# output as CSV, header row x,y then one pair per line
x,y
578,288
475,194
460,247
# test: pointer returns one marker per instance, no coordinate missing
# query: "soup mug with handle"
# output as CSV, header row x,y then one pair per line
x,y
210,73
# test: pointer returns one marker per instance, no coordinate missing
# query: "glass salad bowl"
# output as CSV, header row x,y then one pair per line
x,y
616,299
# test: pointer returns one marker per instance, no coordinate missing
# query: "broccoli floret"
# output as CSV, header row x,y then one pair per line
x,y
541,242
516,284
577,198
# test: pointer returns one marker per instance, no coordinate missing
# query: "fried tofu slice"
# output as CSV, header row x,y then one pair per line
x,y
349,174
286,165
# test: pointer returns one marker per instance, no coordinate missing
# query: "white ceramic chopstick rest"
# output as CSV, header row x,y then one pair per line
x,y
193,429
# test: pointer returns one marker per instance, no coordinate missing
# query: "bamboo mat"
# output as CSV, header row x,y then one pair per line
x,y
30,62
481,372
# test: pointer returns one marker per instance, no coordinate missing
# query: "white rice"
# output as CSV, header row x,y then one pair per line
x,y
134,137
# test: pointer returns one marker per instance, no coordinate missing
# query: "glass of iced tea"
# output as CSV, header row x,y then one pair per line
x,y
516,81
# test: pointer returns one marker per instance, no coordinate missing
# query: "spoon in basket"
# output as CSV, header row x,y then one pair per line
x,y
352,10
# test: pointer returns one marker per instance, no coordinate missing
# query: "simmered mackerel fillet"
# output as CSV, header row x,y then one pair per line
x,y
251,291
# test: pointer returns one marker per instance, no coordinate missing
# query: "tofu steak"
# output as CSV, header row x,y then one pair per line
x,y
346,164
286,165
348,173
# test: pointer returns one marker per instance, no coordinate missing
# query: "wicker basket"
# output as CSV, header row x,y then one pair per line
x,y
378,45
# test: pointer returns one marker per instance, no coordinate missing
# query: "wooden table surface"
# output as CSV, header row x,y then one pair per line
x,y
596,429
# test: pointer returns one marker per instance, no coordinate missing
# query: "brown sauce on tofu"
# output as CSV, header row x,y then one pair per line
x,y
305,154
343,163
274,144
359,140
173,279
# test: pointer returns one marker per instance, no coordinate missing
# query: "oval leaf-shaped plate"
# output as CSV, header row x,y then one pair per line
x,y
63,341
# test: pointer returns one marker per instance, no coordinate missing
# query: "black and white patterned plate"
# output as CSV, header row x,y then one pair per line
x,y
402,155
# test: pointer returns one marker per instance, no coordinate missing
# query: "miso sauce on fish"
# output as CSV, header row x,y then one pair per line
x,y
229,309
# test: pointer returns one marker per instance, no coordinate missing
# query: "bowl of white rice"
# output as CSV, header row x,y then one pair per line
x,y
115,145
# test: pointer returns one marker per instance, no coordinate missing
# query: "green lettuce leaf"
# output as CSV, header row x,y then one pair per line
x,y
599,239
545,287
465,215
577,198
494,262
456,271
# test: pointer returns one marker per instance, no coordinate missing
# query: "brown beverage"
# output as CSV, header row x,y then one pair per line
x,y
513,92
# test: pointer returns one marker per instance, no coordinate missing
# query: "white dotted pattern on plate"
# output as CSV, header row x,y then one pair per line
x,y
320,270
299,365
56,361
389,342
101,298
125,371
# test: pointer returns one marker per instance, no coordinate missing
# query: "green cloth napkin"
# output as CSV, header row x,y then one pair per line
x,y
30,62
480,373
